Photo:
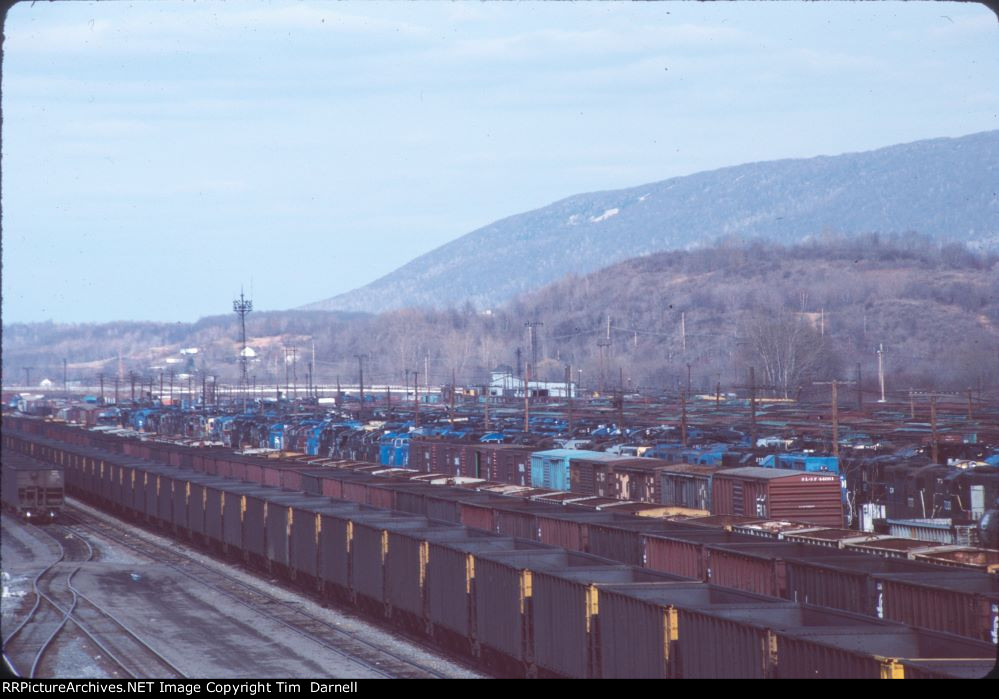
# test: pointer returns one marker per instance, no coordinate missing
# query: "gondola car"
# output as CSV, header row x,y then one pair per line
x,y
31,489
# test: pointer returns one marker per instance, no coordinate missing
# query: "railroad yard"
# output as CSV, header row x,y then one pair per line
x,y
145,608
533,341
537,538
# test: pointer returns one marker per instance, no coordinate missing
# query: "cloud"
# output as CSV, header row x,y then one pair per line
x,y
604,40
116,28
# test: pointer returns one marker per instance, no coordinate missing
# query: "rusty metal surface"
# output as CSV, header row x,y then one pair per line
x,y
740,642
778,494
847,582
683,553
965,603
622,540
452,579
303,553
639,624
566,615
874,652
369,550
503,595
407,561
758,567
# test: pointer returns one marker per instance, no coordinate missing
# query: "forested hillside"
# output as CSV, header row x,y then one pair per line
x,y
934,308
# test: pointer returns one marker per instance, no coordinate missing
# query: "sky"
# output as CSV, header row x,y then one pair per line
x,y
157,156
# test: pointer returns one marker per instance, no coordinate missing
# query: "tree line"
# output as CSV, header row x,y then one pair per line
x,y
798,314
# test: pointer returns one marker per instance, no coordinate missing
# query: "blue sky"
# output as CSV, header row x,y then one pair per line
x,y
156,155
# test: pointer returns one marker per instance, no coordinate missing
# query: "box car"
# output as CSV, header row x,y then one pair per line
x,y
770,493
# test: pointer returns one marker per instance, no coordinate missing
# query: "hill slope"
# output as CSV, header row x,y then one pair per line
x,y
934,308
944,188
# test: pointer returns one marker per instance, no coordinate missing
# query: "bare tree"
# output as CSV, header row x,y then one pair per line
x,y
788,348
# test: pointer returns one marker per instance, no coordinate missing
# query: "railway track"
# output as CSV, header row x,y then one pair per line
x,y
379,659
35,633
60,606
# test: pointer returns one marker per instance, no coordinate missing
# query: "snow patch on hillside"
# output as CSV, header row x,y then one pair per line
x,y
605,215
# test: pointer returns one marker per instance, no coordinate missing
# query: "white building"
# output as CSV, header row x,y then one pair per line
x,y
503,383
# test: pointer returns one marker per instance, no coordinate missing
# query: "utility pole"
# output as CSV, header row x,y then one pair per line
x,y
683,331
718,395
27,375
294,371
603,345
116,380
100,377
881,371
568,393
835,412
131,378
835,417
520,366
360,368
527,399
688,378
485,404
969,404
454,389
161,386
530,325
683,418
752,403
860,391
416,396
171,387
287,373
388,400
912,405
620,398
933,429
339,393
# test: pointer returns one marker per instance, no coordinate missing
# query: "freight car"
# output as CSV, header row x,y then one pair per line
x,y
521,607
32,490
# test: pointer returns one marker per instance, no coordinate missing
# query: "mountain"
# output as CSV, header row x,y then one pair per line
x,y
945,188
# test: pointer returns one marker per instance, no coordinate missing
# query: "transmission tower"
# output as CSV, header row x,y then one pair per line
x,y
241,307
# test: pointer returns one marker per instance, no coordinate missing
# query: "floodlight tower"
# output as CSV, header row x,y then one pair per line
x,y
241,307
